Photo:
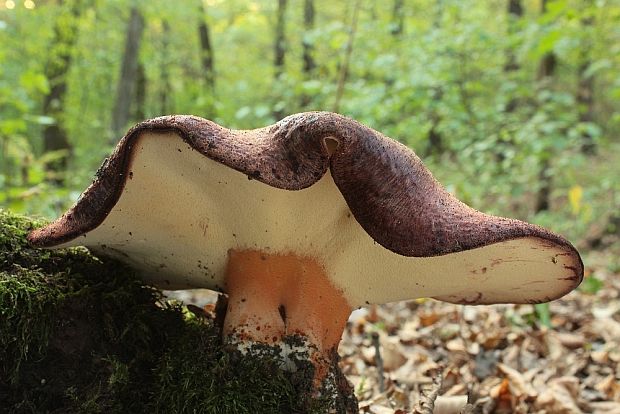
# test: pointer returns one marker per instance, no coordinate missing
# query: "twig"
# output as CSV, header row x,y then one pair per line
x,y
344,68
221,306
378,361
426,404
469,408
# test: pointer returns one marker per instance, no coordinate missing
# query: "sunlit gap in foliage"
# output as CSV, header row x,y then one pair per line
x,y
212,2
10,4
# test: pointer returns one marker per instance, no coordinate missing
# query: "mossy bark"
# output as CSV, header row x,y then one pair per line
x,y
80,333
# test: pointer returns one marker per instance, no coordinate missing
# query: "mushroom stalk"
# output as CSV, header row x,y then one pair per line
x,y
273,296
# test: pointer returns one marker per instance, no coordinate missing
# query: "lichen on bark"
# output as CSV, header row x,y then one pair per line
x,y
80,333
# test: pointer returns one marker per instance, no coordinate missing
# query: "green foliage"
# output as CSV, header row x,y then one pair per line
x,y
445,72
591,284
544,315
82,334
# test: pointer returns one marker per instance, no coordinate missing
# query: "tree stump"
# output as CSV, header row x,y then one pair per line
x,y
80,333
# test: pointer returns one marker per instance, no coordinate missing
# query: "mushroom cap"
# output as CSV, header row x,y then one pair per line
x,y
179,192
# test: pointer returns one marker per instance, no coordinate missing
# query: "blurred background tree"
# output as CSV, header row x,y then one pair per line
x,y
513,104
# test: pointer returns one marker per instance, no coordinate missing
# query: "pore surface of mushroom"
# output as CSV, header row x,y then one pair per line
x,y
300,222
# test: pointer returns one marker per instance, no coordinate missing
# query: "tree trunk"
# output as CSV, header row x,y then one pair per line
x,y
279,45
544,189
515,8
7,164
585,87
511,68
164,99
546,70
344,66
585,102
308,47
207,60
435,140
126,85
140,99
515,13
56,70
398,18
279,49
206,52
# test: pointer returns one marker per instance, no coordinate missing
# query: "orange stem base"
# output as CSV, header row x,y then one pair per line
x,y
275,295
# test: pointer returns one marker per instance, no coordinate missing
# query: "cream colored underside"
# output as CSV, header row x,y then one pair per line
x,y
181,212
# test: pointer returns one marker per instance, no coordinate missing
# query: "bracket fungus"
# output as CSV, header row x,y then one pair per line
x,y
301,222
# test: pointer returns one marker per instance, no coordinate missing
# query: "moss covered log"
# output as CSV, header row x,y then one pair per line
x,y
81,334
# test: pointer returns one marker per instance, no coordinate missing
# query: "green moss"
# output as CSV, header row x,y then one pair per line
x,y
81,334
198,374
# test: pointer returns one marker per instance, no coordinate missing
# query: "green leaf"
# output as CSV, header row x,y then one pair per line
x,y
591,285
543,314
12,126
597,66
34,82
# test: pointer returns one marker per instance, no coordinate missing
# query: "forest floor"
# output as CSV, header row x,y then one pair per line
x,y
499,358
